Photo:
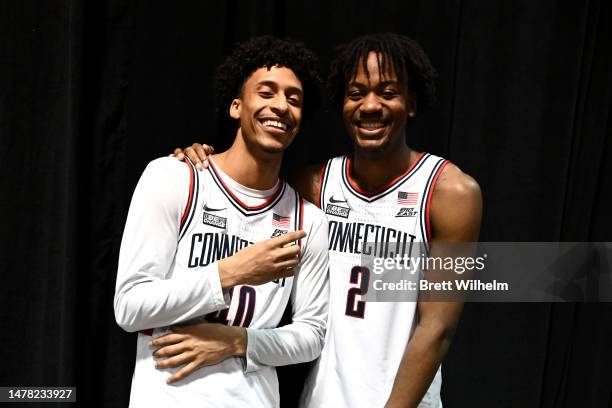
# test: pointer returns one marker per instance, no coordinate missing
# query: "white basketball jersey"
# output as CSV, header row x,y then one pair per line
x,y
365,341
215,224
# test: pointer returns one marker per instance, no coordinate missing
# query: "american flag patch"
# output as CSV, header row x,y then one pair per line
x,y
281,221
405,198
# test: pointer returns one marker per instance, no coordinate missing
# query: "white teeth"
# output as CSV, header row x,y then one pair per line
x,y
371,125
276,124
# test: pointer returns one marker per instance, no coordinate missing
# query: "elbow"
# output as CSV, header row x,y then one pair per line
x,y
124,318
126,325
321,338
318,339
446,337
440,335
317,346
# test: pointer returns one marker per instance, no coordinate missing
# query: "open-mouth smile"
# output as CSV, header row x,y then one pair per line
x,y
371,127
275,125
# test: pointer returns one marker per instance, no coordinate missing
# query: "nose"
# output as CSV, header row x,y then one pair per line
x,y
370,104
279,104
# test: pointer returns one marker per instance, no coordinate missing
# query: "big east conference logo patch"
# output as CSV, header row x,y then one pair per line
x,y
211,219
334,209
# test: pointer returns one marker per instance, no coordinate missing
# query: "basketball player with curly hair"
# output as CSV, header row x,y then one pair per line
x,y
218,255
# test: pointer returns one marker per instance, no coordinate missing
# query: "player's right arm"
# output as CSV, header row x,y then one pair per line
x,y
151,290
306,181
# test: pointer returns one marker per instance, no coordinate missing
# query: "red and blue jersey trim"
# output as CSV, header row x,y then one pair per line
x,y
370,196
192,199
426,201
237,203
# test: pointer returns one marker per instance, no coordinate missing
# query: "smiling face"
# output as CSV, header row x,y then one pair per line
x,y
269,109
376,108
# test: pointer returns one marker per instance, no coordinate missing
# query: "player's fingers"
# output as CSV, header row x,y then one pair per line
x,y
169,351
193,156
209,149
203,151
289,237
282,254
166,340
286,254
287,268
183,372
175,361
202,154
178,153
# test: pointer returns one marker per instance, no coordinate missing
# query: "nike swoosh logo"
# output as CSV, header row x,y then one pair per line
x,y
207,208
331,200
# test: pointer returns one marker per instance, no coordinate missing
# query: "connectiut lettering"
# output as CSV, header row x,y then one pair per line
x,y
368,239
212,246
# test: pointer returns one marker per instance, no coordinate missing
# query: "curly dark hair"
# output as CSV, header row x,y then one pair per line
x,y
404,56
266,51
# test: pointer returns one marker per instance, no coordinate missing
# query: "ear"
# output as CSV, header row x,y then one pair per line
x,y
412,105
234,109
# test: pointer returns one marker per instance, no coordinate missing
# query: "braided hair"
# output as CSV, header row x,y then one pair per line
x,y
395,54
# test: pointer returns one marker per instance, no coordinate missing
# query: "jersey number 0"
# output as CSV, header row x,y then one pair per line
x,y
244,312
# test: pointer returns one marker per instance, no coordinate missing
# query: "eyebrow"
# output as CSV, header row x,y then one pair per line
x,y
382,83
274,85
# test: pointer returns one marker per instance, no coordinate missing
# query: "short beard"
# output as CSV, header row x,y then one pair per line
x,y
273,150
373,152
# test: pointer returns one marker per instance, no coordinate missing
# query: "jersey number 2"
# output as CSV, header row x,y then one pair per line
x,y
356,308
244,312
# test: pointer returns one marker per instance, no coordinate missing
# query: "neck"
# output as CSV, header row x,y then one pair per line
x,y
372,172
249,165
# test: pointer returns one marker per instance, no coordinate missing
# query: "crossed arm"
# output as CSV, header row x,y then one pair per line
x,y
152,292
300,341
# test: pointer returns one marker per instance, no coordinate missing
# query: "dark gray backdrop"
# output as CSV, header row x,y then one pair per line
x,y
91,91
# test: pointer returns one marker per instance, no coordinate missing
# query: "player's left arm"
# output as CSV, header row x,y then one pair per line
x,y
301,340
455,215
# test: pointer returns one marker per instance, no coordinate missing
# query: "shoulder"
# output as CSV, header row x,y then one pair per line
x,y
170,171
456,205
455,184
307,181
167,180
168,166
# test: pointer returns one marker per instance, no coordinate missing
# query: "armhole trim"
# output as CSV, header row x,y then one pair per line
x,y
321,174
429,196
299,217
325,170
192,199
